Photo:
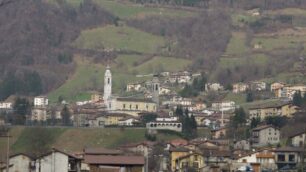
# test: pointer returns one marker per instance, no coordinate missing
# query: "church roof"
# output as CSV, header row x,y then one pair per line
x,y
124,99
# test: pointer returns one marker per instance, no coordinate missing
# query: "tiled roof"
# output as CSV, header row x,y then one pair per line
x,y
114,160
262,127
135,100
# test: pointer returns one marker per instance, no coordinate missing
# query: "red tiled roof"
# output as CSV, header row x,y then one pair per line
x,y
114,160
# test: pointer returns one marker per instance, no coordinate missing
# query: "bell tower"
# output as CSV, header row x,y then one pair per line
x,y
155,90
107,86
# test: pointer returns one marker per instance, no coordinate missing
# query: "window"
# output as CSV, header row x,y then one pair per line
x,y
108,80
136,107
291,158
123,106
130,106
281,157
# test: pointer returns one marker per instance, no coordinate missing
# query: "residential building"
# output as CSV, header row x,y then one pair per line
x,y
218,133
41,101
265,135
258,86
175,153
128,121
100,159
134,86
191,160
39,114
223,106
6,105
20,163
96,97
213,87
298,138
240,87
242,145
58,161
143,148
289,91
279,108
288,158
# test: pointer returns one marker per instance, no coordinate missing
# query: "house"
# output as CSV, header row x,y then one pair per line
x,y
213,87
96,97
276,108
258,86
20,162
218,133
223,106
288,158
265,135
39,114
128,121
126,105
191,160
240,87
289,91
134,86
242,145
2,121
100,159
6,105
298,138
164,90
276,88
114,118
96,121
175,153
58,161
265,157
143,148
40,101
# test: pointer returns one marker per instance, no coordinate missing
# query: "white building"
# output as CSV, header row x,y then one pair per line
x,y
213,87
167,119
224,106
240,87
41,101
20,162
129,121
165,125
58,161
265,135
289,91
6,105
107,87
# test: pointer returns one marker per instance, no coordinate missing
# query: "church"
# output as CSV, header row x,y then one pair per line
x,y
129,105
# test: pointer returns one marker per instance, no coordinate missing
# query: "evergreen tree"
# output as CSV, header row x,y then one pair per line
x,y
297,99
65,113
239,117
249,96
255,122
21,108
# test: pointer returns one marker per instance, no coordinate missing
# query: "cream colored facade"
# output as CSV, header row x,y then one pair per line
x,y
279,110
134,104
193,160
39,114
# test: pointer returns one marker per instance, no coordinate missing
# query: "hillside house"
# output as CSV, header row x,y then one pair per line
x,y
128,121
240,87
298,138
289,91
218,133
288,158
242,145
223,106
191,160
41,101
100,159
39,114
58,161
279,108
265,135
258,86
6,105
20,162
96,97
276,87
213,87
134,86
143,148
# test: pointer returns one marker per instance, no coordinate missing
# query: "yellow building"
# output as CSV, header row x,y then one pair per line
x,y
114,118
130,105
192,160
175,153
95,97
275,109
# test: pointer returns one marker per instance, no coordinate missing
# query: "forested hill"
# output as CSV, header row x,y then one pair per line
x,y
59,47
35,37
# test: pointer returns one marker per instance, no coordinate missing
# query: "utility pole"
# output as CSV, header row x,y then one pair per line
x,y
7,150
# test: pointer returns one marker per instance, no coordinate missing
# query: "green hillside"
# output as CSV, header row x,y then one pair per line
x,y
75,139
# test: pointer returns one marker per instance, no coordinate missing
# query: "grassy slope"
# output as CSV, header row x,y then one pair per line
x,y
130,10
123,38
88,75
75,139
